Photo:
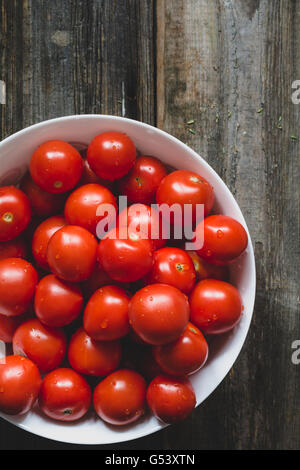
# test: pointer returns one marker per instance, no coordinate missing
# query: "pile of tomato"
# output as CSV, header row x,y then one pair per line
x,y
119,324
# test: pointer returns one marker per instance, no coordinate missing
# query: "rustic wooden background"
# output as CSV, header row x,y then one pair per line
x,y
229,66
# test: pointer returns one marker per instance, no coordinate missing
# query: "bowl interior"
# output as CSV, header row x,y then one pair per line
x,y
15,152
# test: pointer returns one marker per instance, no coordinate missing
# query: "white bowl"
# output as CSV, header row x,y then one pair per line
x,y
15,152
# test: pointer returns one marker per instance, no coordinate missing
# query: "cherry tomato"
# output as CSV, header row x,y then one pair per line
x,y
13,249
81,147
185,187
18,280
72,253
45,346
41,238
145,219
136,338
171,399
90,177
205,270
15,212
20,383
120,398
173,266
148,366
97,279
225,239
83,203
106,314
184,356
159,313
91,357
8,326
65,395
125,255
42,203
141,183
57,302
56,166
216,306
111,155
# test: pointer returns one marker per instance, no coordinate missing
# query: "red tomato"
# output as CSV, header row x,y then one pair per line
x,y
81,147
225,239
141,184
18,280
111,155
72,253
56,166
57,303
120,398
20,383
159,313
41,238
147,364
171,399
173,266
8,326
205,270
65,395
97,279
91,357
100,278
145,219
125,255
185,187
90,177
15,212
45,346
106,314
43,203
82,206
135,339
184,356
13,249
216,306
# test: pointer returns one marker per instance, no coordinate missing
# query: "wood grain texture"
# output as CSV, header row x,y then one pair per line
x,y
76,57
168,62
219,63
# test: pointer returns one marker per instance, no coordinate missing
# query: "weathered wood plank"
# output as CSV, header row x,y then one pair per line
x,y
74,57
219,63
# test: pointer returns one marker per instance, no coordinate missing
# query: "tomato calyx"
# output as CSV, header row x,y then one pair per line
x,y
194,179
196,265
8,217
139,181
193,330
181,267
133,236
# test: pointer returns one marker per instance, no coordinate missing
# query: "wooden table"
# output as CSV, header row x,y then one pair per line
x,y
229,66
